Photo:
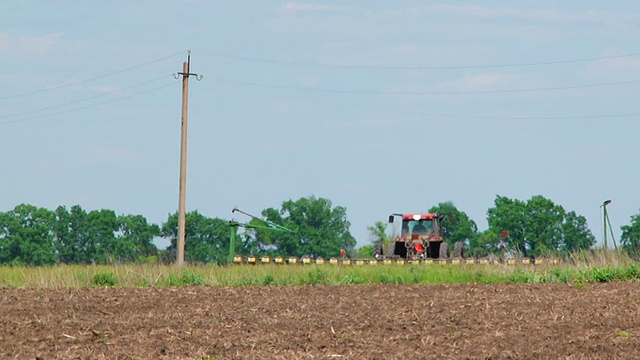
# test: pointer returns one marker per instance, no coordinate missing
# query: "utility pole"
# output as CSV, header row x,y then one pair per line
x,y
183,158
605,218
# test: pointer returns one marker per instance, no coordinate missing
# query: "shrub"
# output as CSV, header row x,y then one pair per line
x,y
316,276
187,277
104,279
269,279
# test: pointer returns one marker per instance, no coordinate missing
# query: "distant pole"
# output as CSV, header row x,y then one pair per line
x,y
613,238
604,218
183,159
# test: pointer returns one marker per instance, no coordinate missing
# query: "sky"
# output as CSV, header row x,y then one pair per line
x,y
379,106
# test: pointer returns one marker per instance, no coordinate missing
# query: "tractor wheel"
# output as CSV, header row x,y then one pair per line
x,y
458,251
444,251
391,249
434,249
377,250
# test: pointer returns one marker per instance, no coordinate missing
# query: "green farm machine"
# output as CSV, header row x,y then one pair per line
x,y
264,224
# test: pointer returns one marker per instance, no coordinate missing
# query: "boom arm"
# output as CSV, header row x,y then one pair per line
x,y
269,225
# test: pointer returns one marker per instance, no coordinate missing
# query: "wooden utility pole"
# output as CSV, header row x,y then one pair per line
x,y
183,160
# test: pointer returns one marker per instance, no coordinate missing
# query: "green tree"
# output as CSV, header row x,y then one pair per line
x,y
457,223
379,236
70,234
538,226
247,243
363,251
206,239
630,238
544,225
576,235
26,235
510,215
100,236
323,229
484,243
378,232
134,239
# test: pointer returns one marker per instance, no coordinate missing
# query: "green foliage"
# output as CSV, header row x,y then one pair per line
x,y
364,251
206,239
560,274
483,244
191,278
26,236
185,278
323,229
104,279
251,275
458,225
603,274
378,232
521,275
538,226
316,276
630,272
352,279
100,236
135,238
576,233
269,279
630,238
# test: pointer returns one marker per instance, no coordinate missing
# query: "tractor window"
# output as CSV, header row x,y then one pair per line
x,y
421,226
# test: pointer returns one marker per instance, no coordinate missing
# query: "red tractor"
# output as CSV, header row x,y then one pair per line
x,y
421,237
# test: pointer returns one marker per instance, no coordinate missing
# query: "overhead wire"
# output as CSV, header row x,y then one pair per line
x,y
520,90
90,79
517,90
88,106
470,92
480,117
338,91
82,100
372,67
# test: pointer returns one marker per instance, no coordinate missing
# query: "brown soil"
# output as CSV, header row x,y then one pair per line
x,y
539,321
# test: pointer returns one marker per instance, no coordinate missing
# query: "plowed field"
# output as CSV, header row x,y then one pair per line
x,y
524,321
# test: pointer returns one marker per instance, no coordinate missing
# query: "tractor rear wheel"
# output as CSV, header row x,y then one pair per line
x,y
444,251
391,249
458,251
377,250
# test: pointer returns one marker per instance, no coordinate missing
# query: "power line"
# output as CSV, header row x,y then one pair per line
x,y
338,91
482,117
370,67
81,100
91,79
88,106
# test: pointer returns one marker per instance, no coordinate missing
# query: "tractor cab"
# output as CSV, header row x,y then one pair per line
x,y
420,236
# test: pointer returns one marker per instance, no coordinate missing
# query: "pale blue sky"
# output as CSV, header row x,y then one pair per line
x,y
378,106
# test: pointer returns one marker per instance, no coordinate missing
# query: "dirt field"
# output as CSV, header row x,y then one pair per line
x,y
324,322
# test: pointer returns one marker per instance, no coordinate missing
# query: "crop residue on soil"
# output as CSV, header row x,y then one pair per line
x,y
537,321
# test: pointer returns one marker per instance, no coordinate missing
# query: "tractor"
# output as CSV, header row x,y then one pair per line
x,y
421,237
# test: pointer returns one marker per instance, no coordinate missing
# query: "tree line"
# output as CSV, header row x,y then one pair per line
x,y
32,235
37,236
534,227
